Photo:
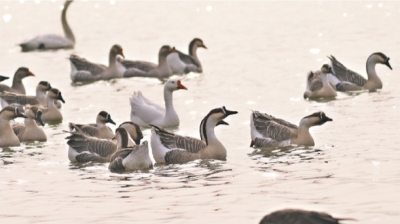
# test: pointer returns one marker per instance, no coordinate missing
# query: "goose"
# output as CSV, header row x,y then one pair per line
x,y
130,158
85,71
144,112
52,41
30,131
98,130
7,136
17,85
171,148
318,85
181,63
2,78
268,131
298,216
346,80
84,148
145,69
51,114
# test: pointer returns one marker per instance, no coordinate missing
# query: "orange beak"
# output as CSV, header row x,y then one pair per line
x,y
180,86
252,143
30,73
121,53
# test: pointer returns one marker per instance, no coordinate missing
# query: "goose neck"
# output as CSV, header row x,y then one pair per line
x,y
67,30
324,78
112,59
169,106
371,62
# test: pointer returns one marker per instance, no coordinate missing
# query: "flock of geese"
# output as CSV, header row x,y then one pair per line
x,y
123,149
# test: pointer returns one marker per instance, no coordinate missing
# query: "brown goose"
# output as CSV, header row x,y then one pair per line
x,y
17,85
7,136
297,216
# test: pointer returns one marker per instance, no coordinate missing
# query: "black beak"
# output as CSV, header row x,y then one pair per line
x,y
222,122
2,78
325,119
388,64
59,97
38,118
110,120
204,46
228,112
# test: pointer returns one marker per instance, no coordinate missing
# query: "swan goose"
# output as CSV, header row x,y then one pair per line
x,y
144,112
17,85
347,80
98,130
85,71
181,63
130,158
52,41
298,216
30,131
51,114
268,131
7,136
318,85
171,148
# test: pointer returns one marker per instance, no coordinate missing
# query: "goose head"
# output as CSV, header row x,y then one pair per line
x,y
121,135
67,3
317,118
165,51
197,42
21,73
381,58
214,118
103,118
116,50
133,130
172,85
2,78
11,112
35,113
326,69
43,86
55,94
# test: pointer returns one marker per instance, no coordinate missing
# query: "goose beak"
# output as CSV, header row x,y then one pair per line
x,y
137,141
204,46
388,64
228,112
59,97
251,143
121,53
30,73
180,86
325,119
222,122
39,119
109,120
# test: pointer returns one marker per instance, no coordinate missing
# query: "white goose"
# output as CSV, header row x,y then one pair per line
x,y
268,131
171,148
346,80
318,85
52,41
7,135
17,85
130,158
30,131
147,69
144,112
85,71
181,63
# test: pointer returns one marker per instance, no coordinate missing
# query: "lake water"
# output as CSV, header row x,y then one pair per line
x,y
257,59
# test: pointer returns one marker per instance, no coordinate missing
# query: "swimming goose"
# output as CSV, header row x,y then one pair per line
x,y
297,216
171,148
318,85
30,131
346,80
85,71
161,71
98,130
130,158
181,63
268,131
83,148
51,114
52,41
7,136
2,78
144,112
17,85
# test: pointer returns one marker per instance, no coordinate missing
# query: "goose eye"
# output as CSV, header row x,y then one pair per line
x,y
173,82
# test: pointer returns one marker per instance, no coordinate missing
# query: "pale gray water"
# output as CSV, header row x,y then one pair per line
x,y
257,59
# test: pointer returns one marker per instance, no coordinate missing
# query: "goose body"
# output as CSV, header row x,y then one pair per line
x,y
51,114
268,131
181,63
17,85
318,85
347,80
21,99
85,71
144,112
7,136
297,216
98,130
52,41
30,131
171,148
147,69
130,158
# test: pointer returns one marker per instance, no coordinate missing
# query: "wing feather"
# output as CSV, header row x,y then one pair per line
x,y
82,64
346,75
14,98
